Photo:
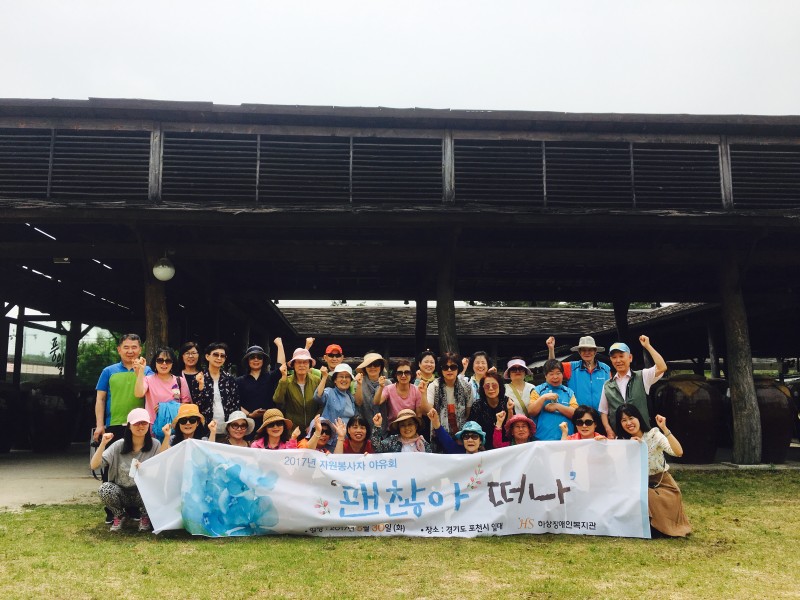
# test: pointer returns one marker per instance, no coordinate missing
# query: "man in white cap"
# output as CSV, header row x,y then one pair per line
x,y
585,377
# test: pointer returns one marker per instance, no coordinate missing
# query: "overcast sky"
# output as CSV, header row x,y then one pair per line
x,y
691,56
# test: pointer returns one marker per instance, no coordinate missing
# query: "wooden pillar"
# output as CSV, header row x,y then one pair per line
x,y
71,352
5,326
445,299
155,303
621,306
19,340
713,352
739,366
421,326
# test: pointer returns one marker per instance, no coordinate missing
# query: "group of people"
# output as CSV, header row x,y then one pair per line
x,y
445,404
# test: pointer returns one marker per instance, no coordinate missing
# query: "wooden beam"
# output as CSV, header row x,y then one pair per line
x,y
421,324
726,177
19,340
448,169
155,172
5,326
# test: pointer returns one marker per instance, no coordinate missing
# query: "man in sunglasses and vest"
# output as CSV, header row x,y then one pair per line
x,y
626,386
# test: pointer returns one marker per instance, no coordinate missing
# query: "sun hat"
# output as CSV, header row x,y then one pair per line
x,y
405,415
333,348
137,415
342,368
370,358
517,362
472,427
586,341
272,415
302,354
187,410
238,415
255,350
520,419
619,347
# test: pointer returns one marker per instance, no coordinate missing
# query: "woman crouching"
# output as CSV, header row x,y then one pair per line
x,y
471,437
121,459
663,494
405,435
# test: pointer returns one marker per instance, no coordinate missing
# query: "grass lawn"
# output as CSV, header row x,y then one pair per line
x,y
746,544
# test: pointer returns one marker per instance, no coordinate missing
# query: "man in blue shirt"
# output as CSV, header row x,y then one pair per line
x,y
586,377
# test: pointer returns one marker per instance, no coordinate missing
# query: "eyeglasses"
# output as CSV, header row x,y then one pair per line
x,y
218,354
516,370
164,361
238,425
584,422
450,368
490,386
254,357
326,432
189,421
376,364
275,424
470,436
403,373
191,353
337,355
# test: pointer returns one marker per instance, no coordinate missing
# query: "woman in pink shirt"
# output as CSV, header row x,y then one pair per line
x,y
403,394
163,392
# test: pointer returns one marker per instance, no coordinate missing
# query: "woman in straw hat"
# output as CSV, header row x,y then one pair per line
x,y
274,432
187,425
404,434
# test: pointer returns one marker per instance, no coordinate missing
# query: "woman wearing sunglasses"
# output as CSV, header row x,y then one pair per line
x,y
585,419
163,392
450,396
492,399
370,379
470,439
403,394
186,425
274,432
218,392
519,390
237,427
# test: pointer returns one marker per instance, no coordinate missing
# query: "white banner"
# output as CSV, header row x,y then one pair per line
x,y
579,487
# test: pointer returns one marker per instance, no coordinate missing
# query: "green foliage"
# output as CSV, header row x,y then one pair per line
x,y
93,357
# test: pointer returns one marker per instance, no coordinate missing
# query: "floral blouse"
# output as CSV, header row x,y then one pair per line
x,y
228,390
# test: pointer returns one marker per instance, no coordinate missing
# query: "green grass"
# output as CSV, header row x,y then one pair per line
x,y
745,544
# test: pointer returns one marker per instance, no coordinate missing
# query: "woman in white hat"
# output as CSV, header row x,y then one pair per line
x,y
237,427
337,401
519,390
295,393
121,459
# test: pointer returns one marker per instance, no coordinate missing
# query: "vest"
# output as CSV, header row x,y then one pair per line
x,y
635,395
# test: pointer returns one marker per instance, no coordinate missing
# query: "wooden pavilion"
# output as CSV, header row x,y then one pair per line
x,y
253,203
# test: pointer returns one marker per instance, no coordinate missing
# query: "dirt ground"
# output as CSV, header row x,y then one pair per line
x,y
29,478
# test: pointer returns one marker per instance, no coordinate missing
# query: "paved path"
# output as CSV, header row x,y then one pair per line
x,y
28,478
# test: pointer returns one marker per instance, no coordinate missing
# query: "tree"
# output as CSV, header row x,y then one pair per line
x,y
93,357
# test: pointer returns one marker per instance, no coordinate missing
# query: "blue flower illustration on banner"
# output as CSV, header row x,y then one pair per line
x,y
225,498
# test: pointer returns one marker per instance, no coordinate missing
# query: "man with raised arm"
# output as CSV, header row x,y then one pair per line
x,y
626,386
